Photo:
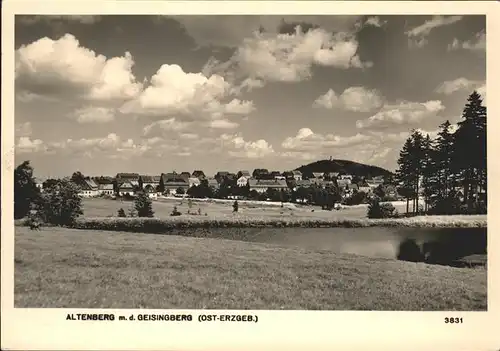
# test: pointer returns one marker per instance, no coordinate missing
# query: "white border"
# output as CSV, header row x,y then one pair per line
x,y
47,328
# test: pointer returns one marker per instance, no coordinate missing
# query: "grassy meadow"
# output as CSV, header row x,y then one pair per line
x,y
99,207
69,268
101,214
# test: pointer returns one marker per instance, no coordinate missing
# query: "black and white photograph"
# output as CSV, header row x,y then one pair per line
x,y
250,162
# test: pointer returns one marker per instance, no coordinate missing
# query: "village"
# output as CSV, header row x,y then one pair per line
x,y
261,184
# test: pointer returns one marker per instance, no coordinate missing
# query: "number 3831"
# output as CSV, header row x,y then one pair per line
x,y
453,320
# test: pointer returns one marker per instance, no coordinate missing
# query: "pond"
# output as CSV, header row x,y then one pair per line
x,y
434,245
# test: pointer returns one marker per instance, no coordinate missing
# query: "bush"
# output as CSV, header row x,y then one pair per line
x,y
132,212
61,205
378,210
357,198
128,197
235,206
446,206
34,221
143,205
121,213
175,212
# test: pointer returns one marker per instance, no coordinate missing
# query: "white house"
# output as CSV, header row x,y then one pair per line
x,y
106,189
345,176
39,184
242,181
153,181
126,189
194,181
88,188
261,185
318,175
297,175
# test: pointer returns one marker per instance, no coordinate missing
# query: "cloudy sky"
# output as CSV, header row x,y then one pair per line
x,y
152,94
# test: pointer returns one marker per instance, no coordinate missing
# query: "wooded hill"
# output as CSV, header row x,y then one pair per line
x,y
344,166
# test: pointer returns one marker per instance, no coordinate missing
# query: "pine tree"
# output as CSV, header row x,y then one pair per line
x,y
403,173
428,171
469,152
143,205
443,159
161,186
417,157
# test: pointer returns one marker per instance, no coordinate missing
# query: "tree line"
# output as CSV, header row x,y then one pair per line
x,y
449,172
59,203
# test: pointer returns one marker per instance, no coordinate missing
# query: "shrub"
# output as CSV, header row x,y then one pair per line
x,y
61,205
128,197
235,206
143,205
378,210
175,212
446,206
356,199
132,212
34,221
121,213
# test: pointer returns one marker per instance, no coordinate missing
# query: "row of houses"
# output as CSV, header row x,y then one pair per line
x,y
259,180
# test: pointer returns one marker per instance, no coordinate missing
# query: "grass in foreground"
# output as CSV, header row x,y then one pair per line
x,y
60,267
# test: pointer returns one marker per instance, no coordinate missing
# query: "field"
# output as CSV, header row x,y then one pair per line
x,y
220,213
220,209
59,267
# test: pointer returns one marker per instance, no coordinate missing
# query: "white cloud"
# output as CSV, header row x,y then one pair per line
x,y
436,22
27,97
451,86
239,107
417,35
236,146
306,141
62,66
327,100
91,114
231,30
358,99
247,85
270,57
188,96
26,145
189,136
112,146
478,44
375,21
166,125
24,129
482,91
402,113
222,124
